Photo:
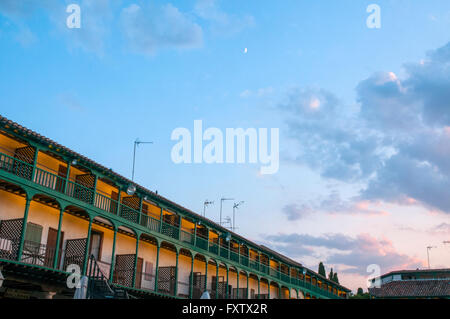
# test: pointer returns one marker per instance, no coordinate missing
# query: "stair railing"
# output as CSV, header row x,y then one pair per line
x,y
96,273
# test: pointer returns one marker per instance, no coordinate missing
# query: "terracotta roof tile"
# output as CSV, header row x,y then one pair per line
x,y
412,288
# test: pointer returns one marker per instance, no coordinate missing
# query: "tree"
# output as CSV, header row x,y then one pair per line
x,y
335,278
330,275
322,270
360,294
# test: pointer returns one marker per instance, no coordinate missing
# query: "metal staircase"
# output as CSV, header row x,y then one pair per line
x,y
99,288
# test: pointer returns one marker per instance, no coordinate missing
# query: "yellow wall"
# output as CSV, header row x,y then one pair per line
x,y
274,292
8,145
105,189
48,163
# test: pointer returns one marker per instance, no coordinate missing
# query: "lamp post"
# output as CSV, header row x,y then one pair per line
x,y
136,143
206,203
236,206
221,201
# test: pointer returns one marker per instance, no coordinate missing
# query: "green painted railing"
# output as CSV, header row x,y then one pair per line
x,y
170,230
234,256
201,243
285,278
150,223
224,253
187,237
244,260
105,203
253,264
214,248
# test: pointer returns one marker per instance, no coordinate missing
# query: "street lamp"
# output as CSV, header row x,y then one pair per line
x,y
206,203
236,206
136,143
221,201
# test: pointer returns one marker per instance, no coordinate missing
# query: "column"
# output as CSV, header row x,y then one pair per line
x,y
66,180
58,239
157,266
195,233
206,274
36,152
176,274
161,220
237,284
217,280
191,278
24,228
133,283
248,275
113,257
259,288
226,290
86,249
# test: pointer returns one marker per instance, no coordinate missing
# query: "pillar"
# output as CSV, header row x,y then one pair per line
x,y
86,249
113,257
58,239
24,227
176,274
133,283
157,266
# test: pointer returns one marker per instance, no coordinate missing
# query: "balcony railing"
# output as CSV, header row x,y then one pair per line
x,y
42,254
33,253
213,248
201,242
186,237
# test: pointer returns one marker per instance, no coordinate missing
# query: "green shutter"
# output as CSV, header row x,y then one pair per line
x,y
33,233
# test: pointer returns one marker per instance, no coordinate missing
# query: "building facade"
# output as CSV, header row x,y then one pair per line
x,y
417,284
59,209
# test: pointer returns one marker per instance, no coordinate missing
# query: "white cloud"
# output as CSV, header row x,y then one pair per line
x,y
148,29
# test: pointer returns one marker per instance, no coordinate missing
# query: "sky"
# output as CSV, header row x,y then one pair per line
x,y
363,113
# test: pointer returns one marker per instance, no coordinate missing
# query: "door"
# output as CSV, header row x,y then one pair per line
x,y
95,248
139,265
50,250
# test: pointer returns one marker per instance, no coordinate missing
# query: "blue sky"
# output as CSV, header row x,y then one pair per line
x,y
343,193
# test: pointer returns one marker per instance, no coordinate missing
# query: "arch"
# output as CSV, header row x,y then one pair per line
x,y
294,294
104,222
300,294
46,200
127,231
149,239
78,212
200,256
16,189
